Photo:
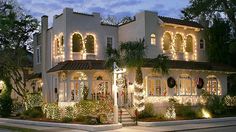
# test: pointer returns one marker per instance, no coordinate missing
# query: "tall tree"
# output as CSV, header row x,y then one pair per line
x,y
209,8
218,40
16,29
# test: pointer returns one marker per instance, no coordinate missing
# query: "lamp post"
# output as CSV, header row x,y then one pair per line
x,y
116,71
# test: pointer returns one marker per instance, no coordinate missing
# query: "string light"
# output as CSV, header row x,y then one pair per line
x,y
172,47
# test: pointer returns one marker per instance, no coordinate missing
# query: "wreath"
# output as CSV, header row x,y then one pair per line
x,y
171,82
200,83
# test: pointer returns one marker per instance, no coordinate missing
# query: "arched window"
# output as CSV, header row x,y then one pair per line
x,y
79,86
213,85
153,39
62,44
79,76
185,85
202,45
77,43
166,41
89,44
178,43
189,44
57,46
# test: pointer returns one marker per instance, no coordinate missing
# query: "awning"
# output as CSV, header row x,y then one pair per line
x,y
172,64
78,65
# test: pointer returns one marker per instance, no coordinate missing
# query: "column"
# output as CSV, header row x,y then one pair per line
x,y
90,83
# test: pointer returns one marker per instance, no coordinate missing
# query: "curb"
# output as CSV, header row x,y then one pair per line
x,y
183,122
65,125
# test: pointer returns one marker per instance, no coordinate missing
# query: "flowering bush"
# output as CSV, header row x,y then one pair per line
x,y
34,100
52,111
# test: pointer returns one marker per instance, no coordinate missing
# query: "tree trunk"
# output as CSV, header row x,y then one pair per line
x,y
139,76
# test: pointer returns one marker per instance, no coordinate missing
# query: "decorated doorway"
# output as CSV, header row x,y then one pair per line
x,y
101,86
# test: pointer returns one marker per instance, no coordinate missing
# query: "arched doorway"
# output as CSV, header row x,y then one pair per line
x,y
79,86
101,86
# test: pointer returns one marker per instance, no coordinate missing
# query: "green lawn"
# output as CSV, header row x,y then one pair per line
x,y
17,129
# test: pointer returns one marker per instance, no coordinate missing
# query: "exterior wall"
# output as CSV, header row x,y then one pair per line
x,y
37,44
70,22
145,24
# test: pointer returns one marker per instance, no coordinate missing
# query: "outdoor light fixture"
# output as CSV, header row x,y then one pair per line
x,y
205,114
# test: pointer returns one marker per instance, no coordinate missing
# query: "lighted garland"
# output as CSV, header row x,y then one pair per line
x,y
139,97
171,82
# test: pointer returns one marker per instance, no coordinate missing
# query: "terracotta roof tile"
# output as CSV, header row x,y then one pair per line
x,y
180,22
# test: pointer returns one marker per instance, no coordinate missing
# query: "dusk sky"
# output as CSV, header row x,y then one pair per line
x,y
118,8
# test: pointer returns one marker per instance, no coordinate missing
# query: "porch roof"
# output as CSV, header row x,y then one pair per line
x,y
172,64
192,65
78,65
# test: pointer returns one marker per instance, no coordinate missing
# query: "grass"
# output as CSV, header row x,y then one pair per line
x,y
17,129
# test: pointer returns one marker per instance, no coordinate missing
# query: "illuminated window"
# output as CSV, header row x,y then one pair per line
x,y
155,87
77,43
178,43
109,42
167,41
202,45
213,85
153,39
89,44
189,44
185,86
62,44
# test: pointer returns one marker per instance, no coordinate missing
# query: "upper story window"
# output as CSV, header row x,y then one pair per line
x,y
109,42
59,42
167,41
189,44
89,44
153,39
178,43
77,43
202,44
38,55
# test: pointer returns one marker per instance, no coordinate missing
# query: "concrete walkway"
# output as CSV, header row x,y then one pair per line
x,y
189,126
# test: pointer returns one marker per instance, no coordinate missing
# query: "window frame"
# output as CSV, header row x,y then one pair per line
x,y
203,44
163,88
193,89
112,41
153,39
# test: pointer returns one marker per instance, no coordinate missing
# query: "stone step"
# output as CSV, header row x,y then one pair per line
x,y
127,120
128,124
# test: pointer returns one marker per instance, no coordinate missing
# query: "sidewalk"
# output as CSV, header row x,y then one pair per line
x,y
186,125
37,125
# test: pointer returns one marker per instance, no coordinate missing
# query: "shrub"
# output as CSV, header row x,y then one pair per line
x,y
66,119
35,112
80,118
147,112
186,111
69,112
34,100
96,109
52,111
5,106
5,99
215,104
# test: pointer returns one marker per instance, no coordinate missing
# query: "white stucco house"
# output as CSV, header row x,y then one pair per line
x,y
70,56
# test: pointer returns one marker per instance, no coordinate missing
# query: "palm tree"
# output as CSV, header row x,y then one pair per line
x,y
132,54
160,64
